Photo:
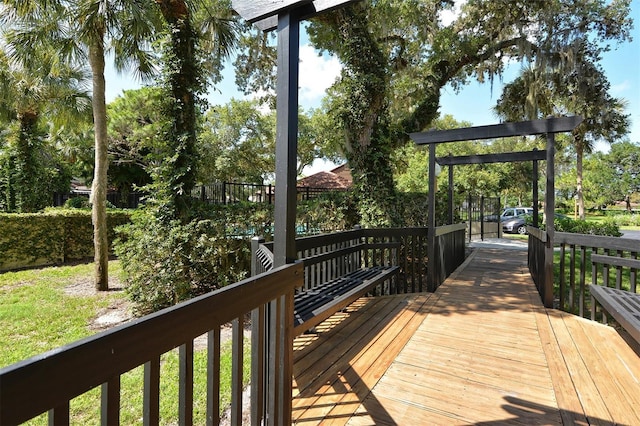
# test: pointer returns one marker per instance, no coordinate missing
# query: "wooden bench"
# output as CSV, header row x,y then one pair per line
x,y
623,306
343,278
339,268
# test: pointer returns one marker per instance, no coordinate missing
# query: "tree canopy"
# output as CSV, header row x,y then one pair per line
x,y
398,55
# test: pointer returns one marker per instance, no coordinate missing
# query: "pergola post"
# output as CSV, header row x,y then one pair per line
x,y
432,285
549,209
535,179
275,339
450,192
286,139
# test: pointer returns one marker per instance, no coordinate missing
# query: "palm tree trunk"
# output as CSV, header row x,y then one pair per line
x,y
99,186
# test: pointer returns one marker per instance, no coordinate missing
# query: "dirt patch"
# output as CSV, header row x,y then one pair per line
x,y
119,310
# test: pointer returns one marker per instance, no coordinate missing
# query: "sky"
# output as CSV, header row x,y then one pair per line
x,y
473,103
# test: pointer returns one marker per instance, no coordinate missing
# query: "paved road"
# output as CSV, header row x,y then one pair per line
x,y
631,234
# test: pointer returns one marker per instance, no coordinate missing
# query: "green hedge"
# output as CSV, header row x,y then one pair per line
x,y
50,238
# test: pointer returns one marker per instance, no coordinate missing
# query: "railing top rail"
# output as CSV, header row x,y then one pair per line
x,y
321,240
447,229
305,243
613,243
32,386
537,233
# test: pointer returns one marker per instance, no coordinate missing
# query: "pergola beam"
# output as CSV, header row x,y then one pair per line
x,y
522,128
256,10
305,11
509,157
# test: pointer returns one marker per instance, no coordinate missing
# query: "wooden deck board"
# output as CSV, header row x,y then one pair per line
x,y
481,350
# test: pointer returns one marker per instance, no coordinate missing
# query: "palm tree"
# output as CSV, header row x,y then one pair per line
x,y
87,29
31,90
581,89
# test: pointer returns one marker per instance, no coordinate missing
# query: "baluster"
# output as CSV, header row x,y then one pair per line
x,y
594,278
110,402
633,275
415,255
605,271
619,272
213,377
563,280
151,393
59,416
583,268
258,363
237,352
572,278
185,405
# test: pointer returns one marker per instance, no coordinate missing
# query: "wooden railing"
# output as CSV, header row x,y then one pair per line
x,y
410,255
575,271
48,382
575,262
536,257
450,250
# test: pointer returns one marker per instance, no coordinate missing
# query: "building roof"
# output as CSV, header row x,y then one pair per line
x,y
338,178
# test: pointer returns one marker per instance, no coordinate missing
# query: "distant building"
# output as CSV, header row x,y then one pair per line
x,y
338,178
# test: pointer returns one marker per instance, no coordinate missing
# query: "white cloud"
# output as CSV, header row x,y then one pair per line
x,y
317,74
621,88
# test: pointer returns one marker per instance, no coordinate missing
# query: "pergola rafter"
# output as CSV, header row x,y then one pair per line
x,y
548,127
508,157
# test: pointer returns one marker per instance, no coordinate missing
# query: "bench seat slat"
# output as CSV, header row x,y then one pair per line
x,y
622,305
317,304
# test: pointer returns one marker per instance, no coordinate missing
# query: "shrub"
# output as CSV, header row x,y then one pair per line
x,y
77,203
329,212
566,224
626,219
167,263
52,237
414,208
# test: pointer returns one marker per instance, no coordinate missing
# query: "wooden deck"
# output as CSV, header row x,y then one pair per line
x,y
481,350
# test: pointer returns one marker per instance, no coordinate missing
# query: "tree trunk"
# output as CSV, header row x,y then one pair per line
x,y
99,186
579,192
366,121
26,174
184,83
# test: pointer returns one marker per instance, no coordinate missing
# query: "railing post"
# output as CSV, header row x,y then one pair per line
x,y
255,244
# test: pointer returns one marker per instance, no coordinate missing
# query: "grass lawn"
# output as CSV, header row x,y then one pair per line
x,y
43,309
39,312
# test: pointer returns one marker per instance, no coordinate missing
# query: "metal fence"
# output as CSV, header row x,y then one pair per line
x,y
217,193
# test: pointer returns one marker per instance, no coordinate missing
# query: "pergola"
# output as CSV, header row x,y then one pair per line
x,y
548,127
